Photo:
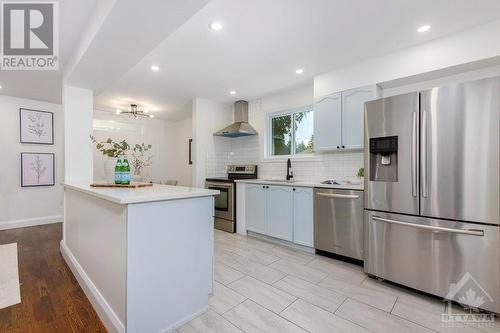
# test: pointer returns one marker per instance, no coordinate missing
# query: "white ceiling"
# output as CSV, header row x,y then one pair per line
x,y
46,85
263,42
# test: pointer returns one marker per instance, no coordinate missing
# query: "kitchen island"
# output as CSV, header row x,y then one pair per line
x,y
143,256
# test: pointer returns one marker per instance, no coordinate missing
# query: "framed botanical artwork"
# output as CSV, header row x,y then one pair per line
x,y
36,126
37,169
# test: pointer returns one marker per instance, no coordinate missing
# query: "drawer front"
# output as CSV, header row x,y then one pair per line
x,y
430,255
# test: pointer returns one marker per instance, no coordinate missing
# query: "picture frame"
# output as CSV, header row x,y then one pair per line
x,y
36,126
37,169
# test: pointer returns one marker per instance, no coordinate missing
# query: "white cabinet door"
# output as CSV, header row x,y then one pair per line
x,y
353,106
279,212
303,228
255,209
327,122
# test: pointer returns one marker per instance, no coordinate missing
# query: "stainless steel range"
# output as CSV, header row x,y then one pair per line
x,y
225,203
432,191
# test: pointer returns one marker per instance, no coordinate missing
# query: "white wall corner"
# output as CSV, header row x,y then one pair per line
x,y
78,114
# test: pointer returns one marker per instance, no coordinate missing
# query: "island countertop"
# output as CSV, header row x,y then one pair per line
x,y
156,192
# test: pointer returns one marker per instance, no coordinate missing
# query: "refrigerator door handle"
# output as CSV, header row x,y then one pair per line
x,y
423,157
414,156
430,227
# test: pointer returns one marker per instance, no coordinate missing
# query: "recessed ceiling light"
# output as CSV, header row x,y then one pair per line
x,y
118,111
232,92
299,71
215,26
151,116
1,87
424,28
155,68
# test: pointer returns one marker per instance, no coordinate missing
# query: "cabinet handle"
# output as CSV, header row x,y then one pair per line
x,y
343,146
293,189
338,147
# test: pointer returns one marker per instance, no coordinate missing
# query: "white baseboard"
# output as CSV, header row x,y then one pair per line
x,y
280,242
184,321
111,321
4,225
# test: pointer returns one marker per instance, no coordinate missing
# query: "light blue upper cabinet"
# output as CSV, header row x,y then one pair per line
x,y
327,122
255,207
353,102
339,119
279,212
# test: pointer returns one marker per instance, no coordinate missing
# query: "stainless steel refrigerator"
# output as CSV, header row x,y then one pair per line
x,y
432,191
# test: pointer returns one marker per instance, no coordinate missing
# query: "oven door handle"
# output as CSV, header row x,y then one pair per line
x,y
473,232
218,185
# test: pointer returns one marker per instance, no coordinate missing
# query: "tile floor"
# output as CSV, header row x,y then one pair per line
x,y
264,287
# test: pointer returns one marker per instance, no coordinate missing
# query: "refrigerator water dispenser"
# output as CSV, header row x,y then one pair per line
x,y
384,159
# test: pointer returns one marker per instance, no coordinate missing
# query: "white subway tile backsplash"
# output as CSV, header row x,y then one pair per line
x,y
246,150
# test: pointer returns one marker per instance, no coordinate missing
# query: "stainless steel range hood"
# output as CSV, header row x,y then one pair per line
x,y
240,127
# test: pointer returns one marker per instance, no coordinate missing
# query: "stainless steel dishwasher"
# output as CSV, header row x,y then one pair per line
x,y
338,222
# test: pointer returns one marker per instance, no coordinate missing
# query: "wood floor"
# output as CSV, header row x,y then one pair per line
x,y
51,299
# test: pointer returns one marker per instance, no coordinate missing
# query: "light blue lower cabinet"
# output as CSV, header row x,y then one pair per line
x,y
279,212
255,208
282,212
303,210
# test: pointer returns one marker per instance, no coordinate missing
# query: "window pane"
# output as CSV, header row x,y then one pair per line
x,y
282,135
303,124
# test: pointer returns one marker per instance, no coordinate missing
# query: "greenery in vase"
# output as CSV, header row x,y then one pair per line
x,y
361,173
139,159
111,148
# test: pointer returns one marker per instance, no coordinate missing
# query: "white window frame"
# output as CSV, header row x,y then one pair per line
x,y
269,142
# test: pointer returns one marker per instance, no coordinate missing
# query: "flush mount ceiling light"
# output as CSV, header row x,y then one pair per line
x,y
215,26
232,92
155,68
135,112
424,28
299,71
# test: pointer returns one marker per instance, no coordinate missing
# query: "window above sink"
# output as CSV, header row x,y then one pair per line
x,y
290,133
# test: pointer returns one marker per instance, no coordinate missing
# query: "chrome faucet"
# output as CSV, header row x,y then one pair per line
x,y
289,172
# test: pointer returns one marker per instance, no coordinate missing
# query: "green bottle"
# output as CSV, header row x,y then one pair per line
x,y
125,174
118,171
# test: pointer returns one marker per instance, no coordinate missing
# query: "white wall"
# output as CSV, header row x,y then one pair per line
x,y
471,45
208,117
163,135
29,205
391,88
78,111
183,170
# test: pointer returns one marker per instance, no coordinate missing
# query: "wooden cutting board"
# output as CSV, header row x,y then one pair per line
x,y
131,185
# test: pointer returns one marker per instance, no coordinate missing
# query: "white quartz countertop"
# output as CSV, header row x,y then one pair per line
x,y
144,194
299,183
